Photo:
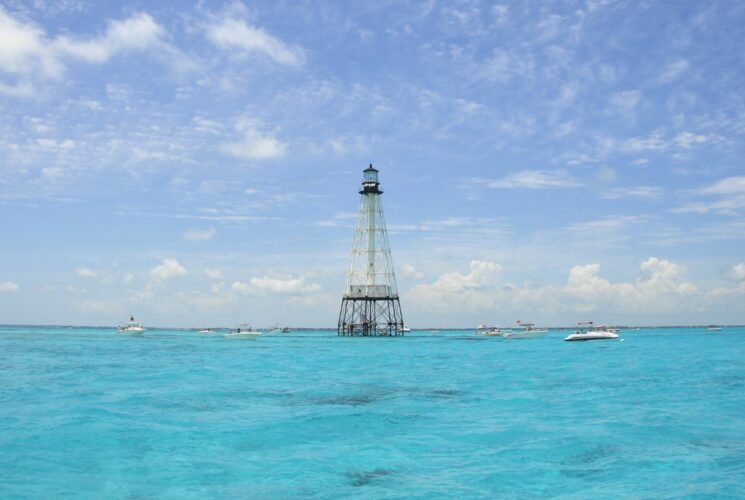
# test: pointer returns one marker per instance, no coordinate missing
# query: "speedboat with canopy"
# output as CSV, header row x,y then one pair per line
x,y
130,327
243,332
527,331
587,331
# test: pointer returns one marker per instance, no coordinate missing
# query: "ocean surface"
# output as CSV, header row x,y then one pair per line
x,y
86,414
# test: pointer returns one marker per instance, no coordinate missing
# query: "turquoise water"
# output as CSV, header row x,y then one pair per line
x,y
85,414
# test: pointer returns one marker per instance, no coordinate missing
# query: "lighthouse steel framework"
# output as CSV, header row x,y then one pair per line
x,y
370,305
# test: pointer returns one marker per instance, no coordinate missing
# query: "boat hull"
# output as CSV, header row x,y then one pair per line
x,y
583,337
533,334
242,336
131,332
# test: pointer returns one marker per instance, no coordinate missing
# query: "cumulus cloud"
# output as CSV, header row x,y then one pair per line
x,y
470,290
27,53
199,235
738,272
8,287
232,34
278,286
660,287
167,269
535,179
410,271
253,143
86,272
214,274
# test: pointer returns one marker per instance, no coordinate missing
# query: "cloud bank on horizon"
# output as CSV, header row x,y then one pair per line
x,y
200,165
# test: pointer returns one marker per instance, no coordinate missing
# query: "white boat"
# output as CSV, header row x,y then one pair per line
x,y
207,331
243,332
713,328
587,331
527,332
490,331
277,329
496,332
130,327
406,329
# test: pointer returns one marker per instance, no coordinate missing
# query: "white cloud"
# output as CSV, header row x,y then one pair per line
x,y
8,287
607,224
731,200
254,144
535,179
657,141
231,34
91,306
197,235
86,272
167,269
659,288
409,271
278,286
214,274
736,273
642,192
29,54
729,185
626,102
673,71
137,33
458,287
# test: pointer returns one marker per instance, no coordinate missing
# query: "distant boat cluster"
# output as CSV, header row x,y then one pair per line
x,y
586,330
241,332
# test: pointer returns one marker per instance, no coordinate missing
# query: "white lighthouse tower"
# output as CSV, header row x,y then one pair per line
x,y
370,305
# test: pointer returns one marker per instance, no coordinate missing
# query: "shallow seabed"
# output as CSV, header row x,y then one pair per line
x,y
86,414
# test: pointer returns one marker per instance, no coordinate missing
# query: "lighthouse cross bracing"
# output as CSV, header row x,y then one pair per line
x,y
370,305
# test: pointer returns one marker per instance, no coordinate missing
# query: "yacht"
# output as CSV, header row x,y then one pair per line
x,y
130,327
587,331
713,328
243,332
527,332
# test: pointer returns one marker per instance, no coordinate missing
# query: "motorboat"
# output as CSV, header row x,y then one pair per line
x,y
243,332
130,327
495,332
713,328
207,331
278,329
587,331
527,331
406,329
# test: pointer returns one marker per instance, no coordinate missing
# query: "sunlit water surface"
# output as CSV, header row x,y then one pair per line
x,y
86,414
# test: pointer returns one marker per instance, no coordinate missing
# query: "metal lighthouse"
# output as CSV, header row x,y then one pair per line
x,y
370,305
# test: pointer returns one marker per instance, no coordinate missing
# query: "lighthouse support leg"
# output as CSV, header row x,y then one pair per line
x,y
370,317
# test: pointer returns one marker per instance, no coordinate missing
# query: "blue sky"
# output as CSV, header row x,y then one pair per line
x,y
195,166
